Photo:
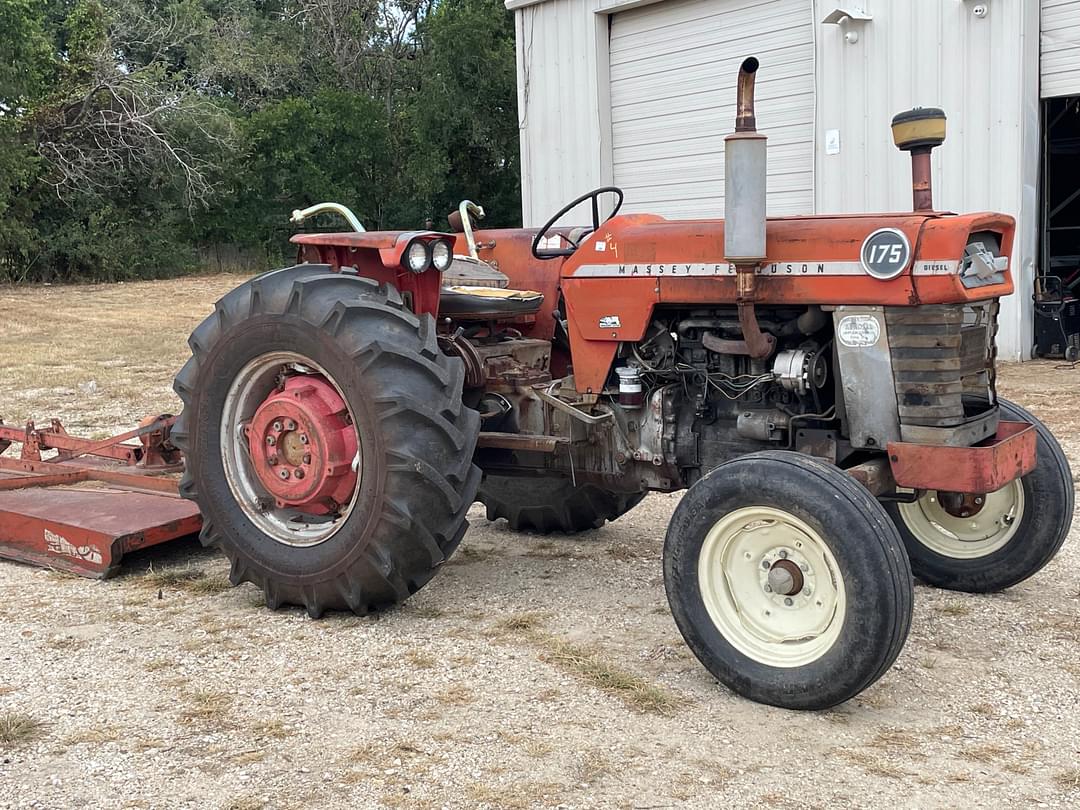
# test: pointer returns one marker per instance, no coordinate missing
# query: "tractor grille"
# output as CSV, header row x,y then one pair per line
x,y
939,353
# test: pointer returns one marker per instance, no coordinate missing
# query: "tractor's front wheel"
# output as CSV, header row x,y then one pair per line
x,y
787,580
326,441
991,541
546,505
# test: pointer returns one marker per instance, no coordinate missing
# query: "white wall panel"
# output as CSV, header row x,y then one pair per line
x,y
984,73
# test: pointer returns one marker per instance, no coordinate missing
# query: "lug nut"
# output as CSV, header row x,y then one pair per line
x,y
764,563
303,438
276,426
299,473
788,601
806,591
307,458
783,554
290,424
768,589
271,460
284,475
270,440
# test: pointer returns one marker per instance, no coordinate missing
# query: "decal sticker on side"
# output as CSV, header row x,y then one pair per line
x,y
858,331
58,544
610,322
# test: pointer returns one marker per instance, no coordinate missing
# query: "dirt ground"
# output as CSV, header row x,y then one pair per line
x,y
532,672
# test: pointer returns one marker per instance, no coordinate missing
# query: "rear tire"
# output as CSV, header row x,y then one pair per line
x,y
546,505
787,580
416,438
1030,522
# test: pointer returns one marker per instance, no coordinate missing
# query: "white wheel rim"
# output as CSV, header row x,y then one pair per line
x,y
290,527
966,538
736,573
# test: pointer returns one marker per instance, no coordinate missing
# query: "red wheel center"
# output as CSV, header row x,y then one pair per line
x,y
303,444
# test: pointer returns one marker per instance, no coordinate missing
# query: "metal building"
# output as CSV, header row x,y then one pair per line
x,y
639,93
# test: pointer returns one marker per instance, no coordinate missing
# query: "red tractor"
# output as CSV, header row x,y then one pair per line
x,y
823,387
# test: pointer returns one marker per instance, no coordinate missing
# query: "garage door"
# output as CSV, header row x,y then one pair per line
x,y
673,67
1060,48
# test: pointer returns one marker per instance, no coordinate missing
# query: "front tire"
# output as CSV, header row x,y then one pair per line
x,y
371,370
546,505
787,580
994,543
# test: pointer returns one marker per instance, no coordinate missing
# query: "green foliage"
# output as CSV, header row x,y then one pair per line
x,y
133,132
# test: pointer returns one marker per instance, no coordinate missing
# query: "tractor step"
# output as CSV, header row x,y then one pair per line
x,y
82,510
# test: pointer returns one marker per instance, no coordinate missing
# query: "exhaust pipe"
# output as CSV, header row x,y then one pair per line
x,y
744,209
919,131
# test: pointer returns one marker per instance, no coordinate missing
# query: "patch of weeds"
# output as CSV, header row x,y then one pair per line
x,y
421,659
622,552
985,709
95,736
892,738
244,803
18,729
873,765
66,643
250,757
954,609
592,667
986,753
185,578
1068,779
592,766
470,554
426,611
272,728
519,622
203,705
457,695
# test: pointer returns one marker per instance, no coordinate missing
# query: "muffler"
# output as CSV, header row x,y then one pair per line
x,y
744,209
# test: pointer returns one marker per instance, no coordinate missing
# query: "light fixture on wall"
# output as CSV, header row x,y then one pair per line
x,y
850,20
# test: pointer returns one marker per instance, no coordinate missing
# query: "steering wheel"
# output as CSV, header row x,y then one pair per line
x,y
594,195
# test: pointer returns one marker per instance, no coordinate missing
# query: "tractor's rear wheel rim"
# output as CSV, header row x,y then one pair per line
x,y
290,449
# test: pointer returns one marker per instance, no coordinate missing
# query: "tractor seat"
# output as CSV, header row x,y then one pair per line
x,y
466,303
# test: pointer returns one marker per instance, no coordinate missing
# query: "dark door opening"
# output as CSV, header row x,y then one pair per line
x,y
1057,286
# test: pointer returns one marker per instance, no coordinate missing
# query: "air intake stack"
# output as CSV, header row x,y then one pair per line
x,y
918,131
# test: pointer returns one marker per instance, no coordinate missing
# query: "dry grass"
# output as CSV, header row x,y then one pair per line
x,y
595,669
18,729
94,736
204,705
421,659
519,623
985,752
99,384
954,609
1068,779
185,578
873,764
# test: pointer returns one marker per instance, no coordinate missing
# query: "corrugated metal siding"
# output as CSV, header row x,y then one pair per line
x,y
1060,48
672,78
558,104
984,73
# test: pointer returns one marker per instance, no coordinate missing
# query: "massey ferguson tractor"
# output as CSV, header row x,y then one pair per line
x,y
823,387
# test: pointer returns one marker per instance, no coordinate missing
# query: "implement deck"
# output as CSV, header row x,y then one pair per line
x,y
83,510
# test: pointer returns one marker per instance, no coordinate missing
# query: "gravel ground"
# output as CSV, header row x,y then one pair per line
x,y
532,672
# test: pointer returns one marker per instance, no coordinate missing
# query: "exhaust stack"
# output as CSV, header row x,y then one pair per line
x,y
744,213
918,131
744,178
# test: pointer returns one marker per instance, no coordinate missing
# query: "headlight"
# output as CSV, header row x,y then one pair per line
x,y
417,257
441,254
